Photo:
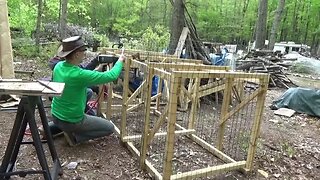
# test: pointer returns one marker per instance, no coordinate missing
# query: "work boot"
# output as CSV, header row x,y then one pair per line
x,y
70,139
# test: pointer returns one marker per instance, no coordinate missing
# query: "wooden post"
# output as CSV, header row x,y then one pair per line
x,y
182,99
159,90
110,97
100,101
101,107
240,88
145,134
125,104
172,117
6,57
224,111
194,106
256,126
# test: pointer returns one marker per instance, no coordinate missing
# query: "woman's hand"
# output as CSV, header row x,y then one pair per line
x,y
100,67
122,58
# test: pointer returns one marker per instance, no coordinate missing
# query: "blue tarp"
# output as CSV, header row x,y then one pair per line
x,y
219,59
137,81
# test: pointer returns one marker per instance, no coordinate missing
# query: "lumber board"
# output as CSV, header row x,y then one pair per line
x,y
158,135
136,93
152,170
19,87
212,90
158,124
218,74
209,171
182,40
187,66
162,73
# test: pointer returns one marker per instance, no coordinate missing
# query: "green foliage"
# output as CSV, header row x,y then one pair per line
x,y
287,149
104,41
23,14
51,11
155,39
29,51
220,21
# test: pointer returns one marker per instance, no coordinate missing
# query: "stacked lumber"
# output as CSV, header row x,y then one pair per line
x,y
267,62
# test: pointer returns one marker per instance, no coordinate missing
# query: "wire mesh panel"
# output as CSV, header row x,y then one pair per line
x,y
186,120
226,124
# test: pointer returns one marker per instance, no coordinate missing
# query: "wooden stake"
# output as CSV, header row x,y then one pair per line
x,y
145,134
167,167
123,123
256,126
110,98
195,100
224,111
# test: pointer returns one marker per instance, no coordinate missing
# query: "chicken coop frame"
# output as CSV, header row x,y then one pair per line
x,y
173,72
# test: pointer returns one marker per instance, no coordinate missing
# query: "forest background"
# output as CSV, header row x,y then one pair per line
x,y
145,21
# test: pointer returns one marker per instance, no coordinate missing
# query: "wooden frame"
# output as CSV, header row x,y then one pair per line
x,y
173,75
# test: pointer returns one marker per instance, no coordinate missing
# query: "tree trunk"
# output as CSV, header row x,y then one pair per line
x,y
94,22
276,22
283,33
165,13
63,19
318,51
300,21
177,24
261,25
38,27
307,24
294,23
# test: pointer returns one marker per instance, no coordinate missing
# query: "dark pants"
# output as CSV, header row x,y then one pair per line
x,y
91,127
88,110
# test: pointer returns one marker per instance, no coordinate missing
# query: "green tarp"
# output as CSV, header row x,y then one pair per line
x,y
302,100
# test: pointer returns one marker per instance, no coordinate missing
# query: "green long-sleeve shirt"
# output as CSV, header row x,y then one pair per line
x,y
70,105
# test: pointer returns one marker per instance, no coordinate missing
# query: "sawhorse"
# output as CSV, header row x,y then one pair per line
x,y
26,115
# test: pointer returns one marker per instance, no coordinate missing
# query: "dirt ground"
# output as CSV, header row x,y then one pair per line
x,y
289,148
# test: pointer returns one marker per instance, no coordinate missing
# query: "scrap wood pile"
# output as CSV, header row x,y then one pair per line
x,y
265,61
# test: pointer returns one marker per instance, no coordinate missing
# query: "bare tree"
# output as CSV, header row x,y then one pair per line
x,y
38,27
63,18
276,23
261,24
